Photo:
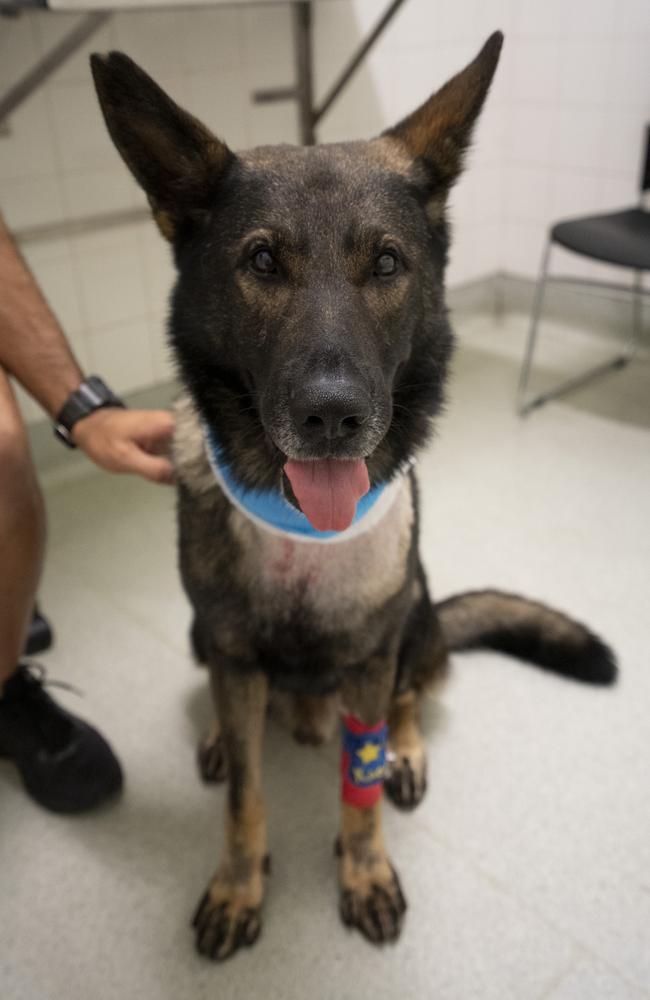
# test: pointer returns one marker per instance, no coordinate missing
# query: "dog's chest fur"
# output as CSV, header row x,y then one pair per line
x,y
346,578
341,582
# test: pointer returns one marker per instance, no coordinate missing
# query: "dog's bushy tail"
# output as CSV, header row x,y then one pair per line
x,y
531,631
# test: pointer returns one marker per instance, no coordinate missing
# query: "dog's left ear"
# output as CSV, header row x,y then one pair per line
x,y
172,155
439,132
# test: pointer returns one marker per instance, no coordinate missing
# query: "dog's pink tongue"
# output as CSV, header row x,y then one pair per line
x,y
328,490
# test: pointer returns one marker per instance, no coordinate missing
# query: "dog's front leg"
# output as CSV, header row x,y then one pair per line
x,y
371,895
229,916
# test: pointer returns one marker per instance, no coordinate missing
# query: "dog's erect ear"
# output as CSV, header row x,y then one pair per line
x,y
175,158
440,130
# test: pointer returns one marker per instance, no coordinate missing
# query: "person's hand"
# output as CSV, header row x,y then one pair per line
x,y
128,441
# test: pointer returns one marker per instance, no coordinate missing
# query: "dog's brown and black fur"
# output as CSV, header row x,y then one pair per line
x,y
310,282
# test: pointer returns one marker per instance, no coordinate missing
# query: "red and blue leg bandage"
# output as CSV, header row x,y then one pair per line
x,y
363,762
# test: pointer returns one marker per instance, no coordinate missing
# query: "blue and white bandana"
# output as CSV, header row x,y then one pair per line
x,y
270,510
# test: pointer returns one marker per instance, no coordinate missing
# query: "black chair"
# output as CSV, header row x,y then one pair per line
x,y
621,238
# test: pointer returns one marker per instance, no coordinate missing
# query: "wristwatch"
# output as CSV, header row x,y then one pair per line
x,y
91,395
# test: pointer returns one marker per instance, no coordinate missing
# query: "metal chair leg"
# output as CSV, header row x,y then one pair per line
x,y
637,315
522,406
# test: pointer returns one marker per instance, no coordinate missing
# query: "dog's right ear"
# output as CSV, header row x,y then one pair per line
x,y
175,158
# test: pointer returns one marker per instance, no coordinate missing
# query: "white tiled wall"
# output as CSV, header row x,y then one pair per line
x,y
429,42
579,97
561,135
110,288
562,132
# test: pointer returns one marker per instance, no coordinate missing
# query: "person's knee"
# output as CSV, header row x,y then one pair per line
x,y
13,443
22,513
15,459
17,476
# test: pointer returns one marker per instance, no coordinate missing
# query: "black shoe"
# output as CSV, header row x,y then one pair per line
x,y
39,635
65,764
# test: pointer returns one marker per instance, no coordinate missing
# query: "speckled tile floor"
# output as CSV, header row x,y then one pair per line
x,y
527,864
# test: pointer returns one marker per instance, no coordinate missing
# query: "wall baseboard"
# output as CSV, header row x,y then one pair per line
x,y
480,296
604,310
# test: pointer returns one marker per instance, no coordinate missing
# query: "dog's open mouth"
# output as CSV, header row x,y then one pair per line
x,y
328,490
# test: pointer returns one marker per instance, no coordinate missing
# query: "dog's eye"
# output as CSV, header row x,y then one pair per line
x,y
386,265
262,262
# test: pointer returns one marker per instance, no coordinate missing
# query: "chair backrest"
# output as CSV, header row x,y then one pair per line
x,y
645,167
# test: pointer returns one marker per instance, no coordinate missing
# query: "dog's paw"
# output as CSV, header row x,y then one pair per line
x,y
211,759
372,900
375,907
406,779
227,918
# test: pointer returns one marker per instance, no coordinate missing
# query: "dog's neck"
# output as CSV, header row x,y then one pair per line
x,y
271,511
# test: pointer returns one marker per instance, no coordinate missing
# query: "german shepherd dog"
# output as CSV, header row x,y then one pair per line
x,y
309,326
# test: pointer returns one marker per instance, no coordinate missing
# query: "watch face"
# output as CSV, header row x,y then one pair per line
x,y
94,392
91,395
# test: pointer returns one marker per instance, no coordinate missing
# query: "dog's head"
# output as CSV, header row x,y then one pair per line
x,y
308,319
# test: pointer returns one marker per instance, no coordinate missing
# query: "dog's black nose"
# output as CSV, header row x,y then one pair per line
x,y
329,408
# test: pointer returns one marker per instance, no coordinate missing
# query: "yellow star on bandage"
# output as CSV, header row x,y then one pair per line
x,y
368,752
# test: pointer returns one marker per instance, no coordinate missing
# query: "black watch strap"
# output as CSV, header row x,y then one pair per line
x,y
91,395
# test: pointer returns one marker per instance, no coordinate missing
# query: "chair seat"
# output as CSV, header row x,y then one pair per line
x,y
618,238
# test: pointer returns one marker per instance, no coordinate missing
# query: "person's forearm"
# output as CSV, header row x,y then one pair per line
x,y
33,347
